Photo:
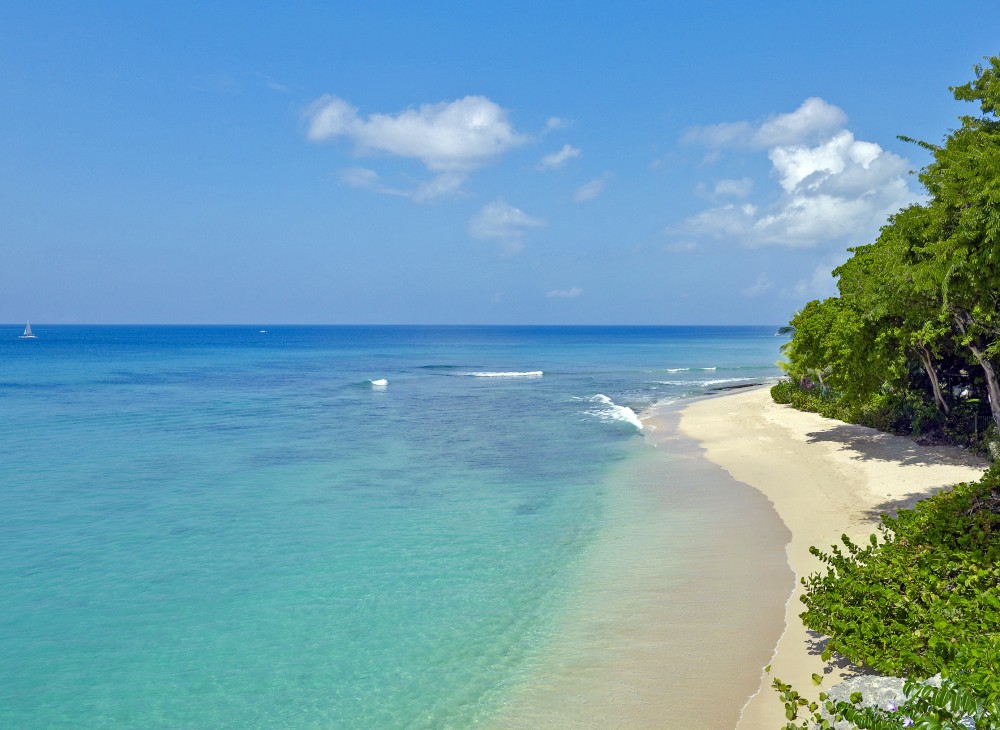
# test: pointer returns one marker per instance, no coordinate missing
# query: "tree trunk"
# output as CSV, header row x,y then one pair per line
x,y
925,359
992,385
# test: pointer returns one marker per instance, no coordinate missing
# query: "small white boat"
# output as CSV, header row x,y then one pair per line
x,y
27,333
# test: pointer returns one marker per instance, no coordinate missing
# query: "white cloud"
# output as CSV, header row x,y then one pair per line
x,y
734,188
558,159
811,120
555,123
833,189
813,117
443,185
590,190
365,179
564,293
719,135
500,221
275,86
457,136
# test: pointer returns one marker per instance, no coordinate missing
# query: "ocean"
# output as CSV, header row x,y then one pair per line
x,y
321,527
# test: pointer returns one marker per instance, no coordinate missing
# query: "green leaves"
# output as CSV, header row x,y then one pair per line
x,y
906,604
918,306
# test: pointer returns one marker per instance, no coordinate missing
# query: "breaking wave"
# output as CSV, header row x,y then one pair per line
x,y
512,374
608,411
706,383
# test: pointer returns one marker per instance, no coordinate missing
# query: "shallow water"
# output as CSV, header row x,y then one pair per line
x,y
218,527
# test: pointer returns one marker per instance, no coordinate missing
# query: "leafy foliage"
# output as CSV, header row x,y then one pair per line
x,y
965,699
909,346
917,319
904,606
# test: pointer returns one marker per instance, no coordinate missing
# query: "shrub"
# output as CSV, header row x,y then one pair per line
x,y
906,605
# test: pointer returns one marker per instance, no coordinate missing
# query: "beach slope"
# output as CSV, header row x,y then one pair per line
x,y
825,478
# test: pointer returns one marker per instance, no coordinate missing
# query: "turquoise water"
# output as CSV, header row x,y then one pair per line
x,y
221,527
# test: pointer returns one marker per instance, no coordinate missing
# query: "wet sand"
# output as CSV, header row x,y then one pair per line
x,y
677,605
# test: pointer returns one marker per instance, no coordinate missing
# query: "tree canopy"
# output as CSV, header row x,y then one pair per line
x,y
917,318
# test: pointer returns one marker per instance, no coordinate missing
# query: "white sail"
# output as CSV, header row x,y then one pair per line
x,y
27,332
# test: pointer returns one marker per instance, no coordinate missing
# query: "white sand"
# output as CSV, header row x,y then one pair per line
x,y
825,478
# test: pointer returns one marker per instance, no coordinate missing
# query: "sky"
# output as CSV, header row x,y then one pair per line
x,y
460,163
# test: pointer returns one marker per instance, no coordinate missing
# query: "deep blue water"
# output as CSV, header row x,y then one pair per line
x,y
213,527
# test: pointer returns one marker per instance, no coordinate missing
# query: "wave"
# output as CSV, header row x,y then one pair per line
x,y
380,383
706,383
719,381
686,370
511,374
608,411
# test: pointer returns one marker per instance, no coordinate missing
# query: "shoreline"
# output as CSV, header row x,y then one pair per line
x,y
824,478
682,592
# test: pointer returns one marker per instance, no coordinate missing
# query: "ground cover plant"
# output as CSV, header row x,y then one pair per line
x,y
923,600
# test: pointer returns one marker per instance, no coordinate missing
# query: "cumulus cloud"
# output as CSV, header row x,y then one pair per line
x,y
461,135
451,139
501,222
833,188
558,159
814,118
564,293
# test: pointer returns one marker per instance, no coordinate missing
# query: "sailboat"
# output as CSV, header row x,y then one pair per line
x,y
27,333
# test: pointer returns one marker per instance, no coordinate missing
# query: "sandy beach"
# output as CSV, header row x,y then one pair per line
x,y
824,478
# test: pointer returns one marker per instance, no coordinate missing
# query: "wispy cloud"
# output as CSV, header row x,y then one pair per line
x,y
501,222
590,190
558,159
441,186
733,188
564,293
762,284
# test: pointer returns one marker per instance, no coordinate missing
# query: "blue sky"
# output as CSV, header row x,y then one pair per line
x,y
439,162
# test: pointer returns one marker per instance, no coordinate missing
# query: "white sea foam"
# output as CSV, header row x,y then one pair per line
x,y
706,383
687,370
512,374
608,411
719,381
380,383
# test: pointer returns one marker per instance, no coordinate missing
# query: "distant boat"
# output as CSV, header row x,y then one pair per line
x,y
27,333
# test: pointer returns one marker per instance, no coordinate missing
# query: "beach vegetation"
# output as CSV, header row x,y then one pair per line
x,y
927,586
911,343
921,600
